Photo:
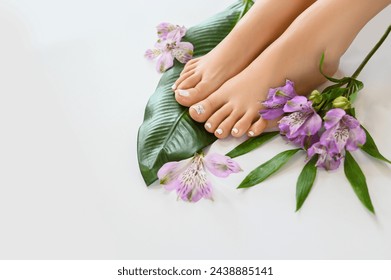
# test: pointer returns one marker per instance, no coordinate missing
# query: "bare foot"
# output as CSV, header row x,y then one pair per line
x,y
234,107
265,21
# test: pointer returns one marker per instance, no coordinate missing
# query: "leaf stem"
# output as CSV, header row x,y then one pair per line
x,y
247,6
371,53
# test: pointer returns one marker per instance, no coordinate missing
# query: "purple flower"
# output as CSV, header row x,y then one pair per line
x,y
342,131
189,179
276,100
169,46
164,28
302,125
327,160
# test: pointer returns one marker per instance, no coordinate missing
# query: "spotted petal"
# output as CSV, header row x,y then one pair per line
x,y
357,138
221,166
165,61
164,28
298,103
183,52
333,117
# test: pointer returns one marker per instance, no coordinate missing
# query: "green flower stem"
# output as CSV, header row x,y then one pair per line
x,y
371,53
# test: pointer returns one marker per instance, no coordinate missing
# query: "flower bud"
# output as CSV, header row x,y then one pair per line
x,y
341,102
316,97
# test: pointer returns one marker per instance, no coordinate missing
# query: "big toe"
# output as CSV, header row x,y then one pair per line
x,y
189,96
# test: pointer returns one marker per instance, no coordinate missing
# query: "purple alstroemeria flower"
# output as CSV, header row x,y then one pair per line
x,y
189,178
169,46
302,124
164,28
276,100
326,159
342,131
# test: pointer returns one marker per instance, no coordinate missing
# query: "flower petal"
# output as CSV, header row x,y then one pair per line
x,y
152,54
183,52
271,114
163,29
203,190
350,122
221,166
333,117
312,125
297,103
165,61
357,138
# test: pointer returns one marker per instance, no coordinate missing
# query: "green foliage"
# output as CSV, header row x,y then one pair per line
x,y
357,179
168,133
263,171
305,182
251,144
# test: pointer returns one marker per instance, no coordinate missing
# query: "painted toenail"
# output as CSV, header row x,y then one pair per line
x,y
173,87
251,133
208,125
235,130
183,92
198,108
219,131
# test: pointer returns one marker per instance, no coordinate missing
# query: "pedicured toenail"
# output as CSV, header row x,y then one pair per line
x,y
173,87
183,92
219,131
208,125
251,133
235,130
198,108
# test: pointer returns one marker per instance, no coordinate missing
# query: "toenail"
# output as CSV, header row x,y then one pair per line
x,y
173,87
219,131
183,92
208,125
251,133
198,108
235,130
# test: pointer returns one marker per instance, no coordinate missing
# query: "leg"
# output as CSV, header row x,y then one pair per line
x,y
265,21
328,26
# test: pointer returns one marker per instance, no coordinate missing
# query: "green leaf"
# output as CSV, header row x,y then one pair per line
x,y
304,182
331,79
168,133
357,179
370,147
263,171
251,144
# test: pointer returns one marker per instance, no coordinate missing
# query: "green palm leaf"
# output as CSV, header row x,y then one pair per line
x,y
168,133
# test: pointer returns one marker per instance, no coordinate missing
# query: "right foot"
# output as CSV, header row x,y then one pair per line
x,y
265,22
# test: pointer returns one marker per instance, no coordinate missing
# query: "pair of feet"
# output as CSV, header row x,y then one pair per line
x,y
224,88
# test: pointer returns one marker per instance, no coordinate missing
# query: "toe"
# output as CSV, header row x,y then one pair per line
x,y
257,128
188,97
226,126
190,80
212,125
182,78
201,111
242,126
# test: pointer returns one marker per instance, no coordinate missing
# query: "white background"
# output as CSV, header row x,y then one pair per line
x,y
73,87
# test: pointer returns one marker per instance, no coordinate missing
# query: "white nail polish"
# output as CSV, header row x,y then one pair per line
x,y
198,108
219,131
183,92
208,125
235,130
173,87
251,133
